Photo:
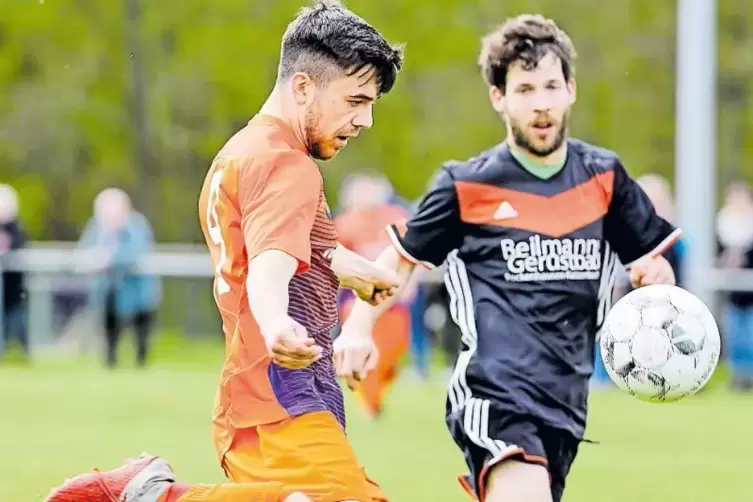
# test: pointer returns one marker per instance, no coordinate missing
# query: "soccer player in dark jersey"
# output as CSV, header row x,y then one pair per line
x,y
530,231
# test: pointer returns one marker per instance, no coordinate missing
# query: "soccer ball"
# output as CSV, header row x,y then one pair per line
x,y
660,343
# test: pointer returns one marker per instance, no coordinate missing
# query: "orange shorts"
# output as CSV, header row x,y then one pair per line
x,y
308,453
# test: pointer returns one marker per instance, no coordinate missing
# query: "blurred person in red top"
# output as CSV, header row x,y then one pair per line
x,y
366,211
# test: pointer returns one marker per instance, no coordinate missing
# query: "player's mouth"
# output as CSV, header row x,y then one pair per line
x,y
342,139
543,126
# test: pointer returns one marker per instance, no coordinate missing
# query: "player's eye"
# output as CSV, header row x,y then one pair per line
x,y
355,103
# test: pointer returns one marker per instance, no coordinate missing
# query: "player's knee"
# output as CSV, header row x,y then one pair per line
x,y
297,497
518,481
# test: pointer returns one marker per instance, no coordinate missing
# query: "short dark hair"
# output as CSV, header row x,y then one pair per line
x,y
327,40
526,38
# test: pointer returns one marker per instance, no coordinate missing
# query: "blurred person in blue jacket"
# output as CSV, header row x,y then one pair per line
x,y
12,238
115,239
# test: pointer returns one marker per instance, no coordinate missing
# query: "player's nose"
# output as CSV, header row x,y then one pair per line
x,y
364,118
541,103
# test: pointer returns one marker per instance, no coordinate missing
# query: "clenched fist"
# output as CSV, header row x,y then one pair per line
x,y
289,344
372,282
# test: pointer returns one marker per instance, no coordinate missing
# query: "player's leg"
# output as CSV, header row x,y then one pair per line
x,y
142,327
16,327
419,336
150,479
231,492
308,453
517,480
113,327
391,338
504,453
561,449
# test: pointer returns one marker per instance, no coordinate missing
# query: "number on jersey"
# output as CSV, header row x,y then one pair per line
x,y
215,232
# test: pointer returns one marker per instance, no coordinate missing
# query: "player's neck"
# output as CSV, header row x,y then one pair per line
x,y
276,107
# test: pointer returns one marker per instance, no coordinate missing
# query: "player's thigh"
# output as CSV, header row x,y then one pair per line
x,y
515,479
504,454
308,453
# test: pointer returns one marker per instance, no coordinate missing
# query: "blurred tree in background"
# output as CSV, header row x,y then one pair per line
x,y
142,94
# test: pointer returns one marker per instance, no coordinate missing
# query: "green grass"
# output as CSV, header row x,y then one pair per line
x,y
58,418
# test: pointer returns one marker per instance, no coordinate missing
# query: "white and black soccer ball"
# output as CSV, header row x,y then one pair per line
x,y
660,343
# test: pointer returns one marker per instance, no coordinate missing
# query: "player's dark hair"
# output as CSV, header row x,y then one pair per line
x,y
526,38
327,40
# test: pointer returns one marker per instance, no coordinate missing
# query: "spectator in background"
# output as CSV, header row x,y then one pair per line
x,y
420,340
12,237
366,211
735,234
115,239
659,190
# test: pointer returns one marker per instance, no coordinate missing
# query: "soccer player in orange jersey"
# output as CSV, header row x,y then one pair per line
x,y
279,422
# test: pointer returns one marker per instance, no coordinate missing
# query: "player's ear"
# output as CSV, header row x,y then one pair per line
x,y
302,88
572,88
497,99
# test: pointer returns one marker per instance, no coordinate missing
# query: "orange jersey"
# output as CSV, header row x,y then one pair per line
x,y
264,192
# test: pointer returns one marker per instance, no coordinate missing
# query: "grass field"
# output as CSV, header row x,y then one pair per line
x,y
60,418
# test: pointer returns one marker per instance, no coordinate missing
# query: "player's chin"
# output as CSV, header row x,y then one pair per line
x,y
328,151
543,147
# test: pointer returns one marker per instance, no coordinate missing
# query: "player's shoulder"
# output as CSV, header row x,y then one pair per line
x,y
487,164
595,158
260,146
263,166
266,159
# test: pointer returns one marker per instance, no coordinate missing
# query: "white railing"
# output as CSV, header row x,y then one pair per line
x,y
43,263
166,261
186,260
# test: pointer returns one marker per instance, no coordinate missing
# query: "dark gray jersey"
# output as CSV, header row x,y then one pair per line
x,y
530,268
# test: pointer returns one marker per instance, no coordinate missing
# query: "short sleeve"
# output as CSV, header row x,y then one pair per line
x,y
434,230
278,212
631,225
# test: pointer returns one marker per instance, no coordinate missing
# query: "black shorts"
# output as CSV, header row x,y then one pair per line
x,y
488,435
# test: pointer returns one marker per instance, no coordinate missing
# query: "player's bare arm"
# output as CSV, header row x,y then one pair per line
x,y
372,282
354,351
287,341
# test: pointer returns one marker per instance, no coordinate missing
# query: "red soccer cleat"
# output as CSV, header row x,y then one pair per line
x,y
143,478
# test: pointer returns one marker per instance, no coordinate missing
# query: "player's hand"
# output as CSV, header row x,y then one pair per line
x,y
289,344
354,355
367,291
651,270
372,282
